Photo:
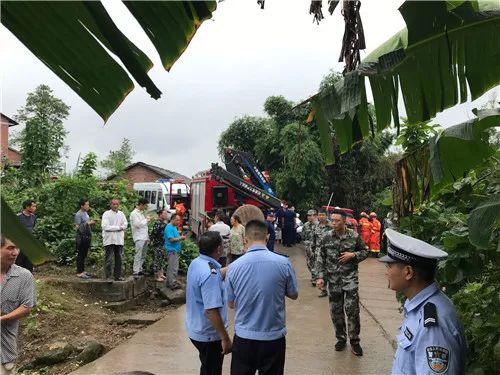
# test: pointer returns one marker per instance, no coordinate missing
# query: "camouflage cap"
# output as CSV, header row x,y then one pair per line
x,y
311,212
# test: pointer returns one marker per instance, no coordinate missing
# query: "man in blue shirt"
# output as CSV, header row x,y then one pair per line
x,y
257,284
206,305
431,338
173,247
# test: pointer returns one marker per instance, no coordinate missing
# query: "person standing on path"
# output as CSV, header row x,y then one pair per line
x,y
365,228
113,225
17,295
27,217
289,227
173,248
257,285
271,232
308,236
321,230
338,255
225,231
139,226
206,305
83,237
157,238
431,339
236,239
375,234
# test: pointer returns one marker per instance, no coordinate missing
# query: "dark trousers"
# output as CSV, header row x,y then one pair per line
x,y
23,261
249,356
117,251
211,357
82,249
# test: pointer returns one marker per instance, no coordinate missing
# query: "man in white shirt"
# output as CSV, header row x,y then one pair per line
x,y
139,226
225,232
113,226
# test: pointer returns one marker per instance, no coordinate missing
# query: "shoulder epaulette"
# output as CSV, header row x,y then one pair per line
x,y
430,315
212,267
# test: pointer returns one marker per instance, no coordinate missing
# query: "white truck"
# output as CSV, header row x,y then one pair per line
x,y
163,194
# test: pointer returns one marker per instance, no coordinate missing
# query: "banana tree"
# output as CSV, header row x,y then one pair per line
x,y
445,55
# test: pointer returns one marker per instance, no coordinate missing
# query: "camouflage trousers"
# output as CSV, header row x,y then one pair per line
x,y
310,259
345,301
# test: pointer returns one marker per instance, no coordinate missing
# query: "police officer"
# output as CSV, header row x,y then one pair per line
x,y
206,305
431,339
308,236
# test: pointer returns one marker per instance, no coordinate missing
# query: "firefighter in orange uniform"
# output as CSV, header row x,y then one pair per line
x,y
365,228
180,210
375,234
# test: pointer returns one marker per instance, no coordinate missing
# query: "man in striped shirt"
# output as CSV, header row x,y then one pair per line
x,y
17,294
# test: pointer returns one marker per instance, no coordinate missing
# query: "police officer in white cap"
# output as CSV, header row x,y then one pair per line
x,y
431,338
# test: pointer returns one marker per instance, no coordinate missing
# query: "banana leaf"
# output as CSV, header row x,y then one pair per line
x,y
73,38
446,52
17,233
482,220
461,147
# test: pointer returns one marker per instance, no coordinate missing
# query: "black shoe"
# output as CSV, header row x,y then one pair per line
x,y
340,345
357,350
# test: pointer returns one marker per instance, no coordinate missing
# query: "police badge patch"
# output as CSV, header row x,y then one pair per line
x,y
438,358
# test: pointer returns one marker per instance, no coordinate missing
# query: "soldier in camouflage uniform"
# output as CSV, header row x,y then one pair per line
x,y
337,257
321,230
308,236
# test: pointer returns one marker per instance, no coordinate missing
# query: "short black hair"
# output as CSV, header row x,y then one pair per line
x,y
237,218
322,211
142,201
3,240
160,211
256,229
209,242
427,273
82,202
339,212
28,203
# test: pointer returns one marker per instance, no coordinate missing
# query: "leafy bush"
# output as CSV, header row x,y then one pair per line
x,y
189,251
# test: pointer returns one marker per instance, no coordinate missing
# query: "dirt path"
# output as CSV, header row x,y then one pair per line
x,y
163,348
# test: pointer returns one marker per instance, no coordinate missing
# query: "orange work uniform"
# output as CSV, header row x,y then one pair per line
x,y
365,229
375,236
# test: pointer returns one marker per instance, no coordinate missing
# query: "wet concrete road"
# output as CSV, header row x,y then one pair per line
x,y
163,348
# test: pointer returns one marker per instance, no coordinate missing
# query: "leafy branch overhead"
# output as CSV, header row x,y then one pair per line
x,y
446,52
67,36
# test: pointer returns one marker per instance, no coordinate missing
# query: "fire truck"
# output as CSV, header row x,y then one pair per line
x,y
227,189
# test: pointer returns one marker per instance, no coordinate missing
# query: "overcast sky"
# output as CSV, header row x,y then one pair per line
x,y
235,61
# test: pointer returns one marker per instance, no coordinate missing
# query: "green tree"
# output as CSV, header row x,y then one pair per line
x,y
42,139
118,160
242,134
88,166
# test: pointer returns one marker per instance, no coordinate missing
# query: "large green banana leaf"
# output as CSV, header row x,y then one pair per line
x,y
17,233
67,36
445,159
447,50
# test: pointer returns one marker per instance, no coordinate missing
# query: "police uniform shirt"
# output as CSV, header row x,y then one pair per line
x,y
257,283
205,289
431,339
